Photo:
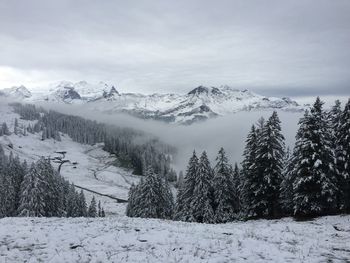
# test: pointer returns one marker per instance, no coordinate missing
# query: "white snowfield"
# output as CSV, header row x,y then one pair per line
x,y
122,239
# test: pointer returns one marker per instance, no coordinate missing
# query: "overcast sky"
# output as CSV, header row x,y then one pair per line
x,y
271,46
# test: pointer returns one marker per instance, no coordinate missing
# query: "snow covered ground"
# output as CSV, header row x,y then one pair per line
x,y
122,239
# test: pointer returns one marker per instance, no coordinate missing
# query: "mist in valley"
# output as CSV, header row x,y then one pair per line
x,y
228,131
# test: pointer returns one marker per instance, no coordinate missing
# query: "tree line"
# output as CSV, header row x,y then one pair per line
x,y
133,148
40,191
271,182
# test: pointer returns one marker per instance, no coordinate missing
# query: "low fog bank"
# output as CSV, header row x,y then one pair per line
x,y
229,131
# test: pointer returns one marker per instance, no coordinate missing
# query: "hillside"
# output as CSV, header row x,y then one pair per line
x,y
90,167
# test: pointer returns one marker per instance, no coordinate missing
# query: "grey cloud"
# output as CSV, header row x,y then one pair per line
x,y
161,46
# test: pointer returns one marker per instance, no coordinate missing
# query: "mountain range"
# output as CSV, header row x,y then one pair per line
x,y
201,103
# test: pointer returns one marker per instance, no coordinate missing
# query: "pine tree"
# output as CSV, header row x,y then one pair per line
x,y
269,164
315,185
250,183
167,200
151,198
286,189
150,195
7,194
92,211
130,208
342,152
82,207
16,172
32,202
225,194
183,209
202,201
237,185
4,129
72,209
99,209
51,193
15,129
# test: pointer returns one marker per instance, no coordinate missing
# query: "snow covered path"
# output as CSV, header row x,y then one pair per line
x,y
122,239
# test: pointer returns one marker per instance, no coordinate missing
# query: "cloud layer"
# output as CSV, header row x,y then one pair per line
x,y
284,47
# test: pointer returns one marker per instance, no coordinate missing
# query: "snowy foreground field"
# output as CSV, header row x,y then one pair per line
x,y
121,239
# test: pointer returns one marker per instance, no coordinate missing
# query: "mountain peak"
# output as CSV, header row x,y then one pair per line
x,y
17,92
199,90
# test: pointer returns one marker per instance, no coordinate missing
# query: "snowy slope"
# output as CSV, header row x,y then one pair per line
x,y
94,169
122,239
199,104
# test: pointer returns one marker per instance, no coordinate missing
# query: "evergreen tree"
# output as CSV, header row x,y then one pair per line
x,y
202,201
150,195
51,192
315,188
130,208
72,209
286,190
92,211
99,209
32,202
151,198
342,152
16,171
225,193
4,129
167,200
269,164
82,207
183,210
8,194
237,185
250,183
15,129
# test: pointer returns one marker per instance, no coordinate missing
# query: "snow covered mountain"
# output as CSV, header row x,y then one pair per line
x,y
20,92
199,104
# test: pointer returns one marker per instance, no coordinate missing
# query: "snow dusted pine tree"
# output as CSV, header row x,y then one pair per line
x,y
343,157
151,198
226,201
92,211
202,201
183,210
132,202
167,200
32,201
269,163
150,195
8,194
82,207
250,184
16,171
315,185
72,209
52,195
286,191
15,128
237,184
4,129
